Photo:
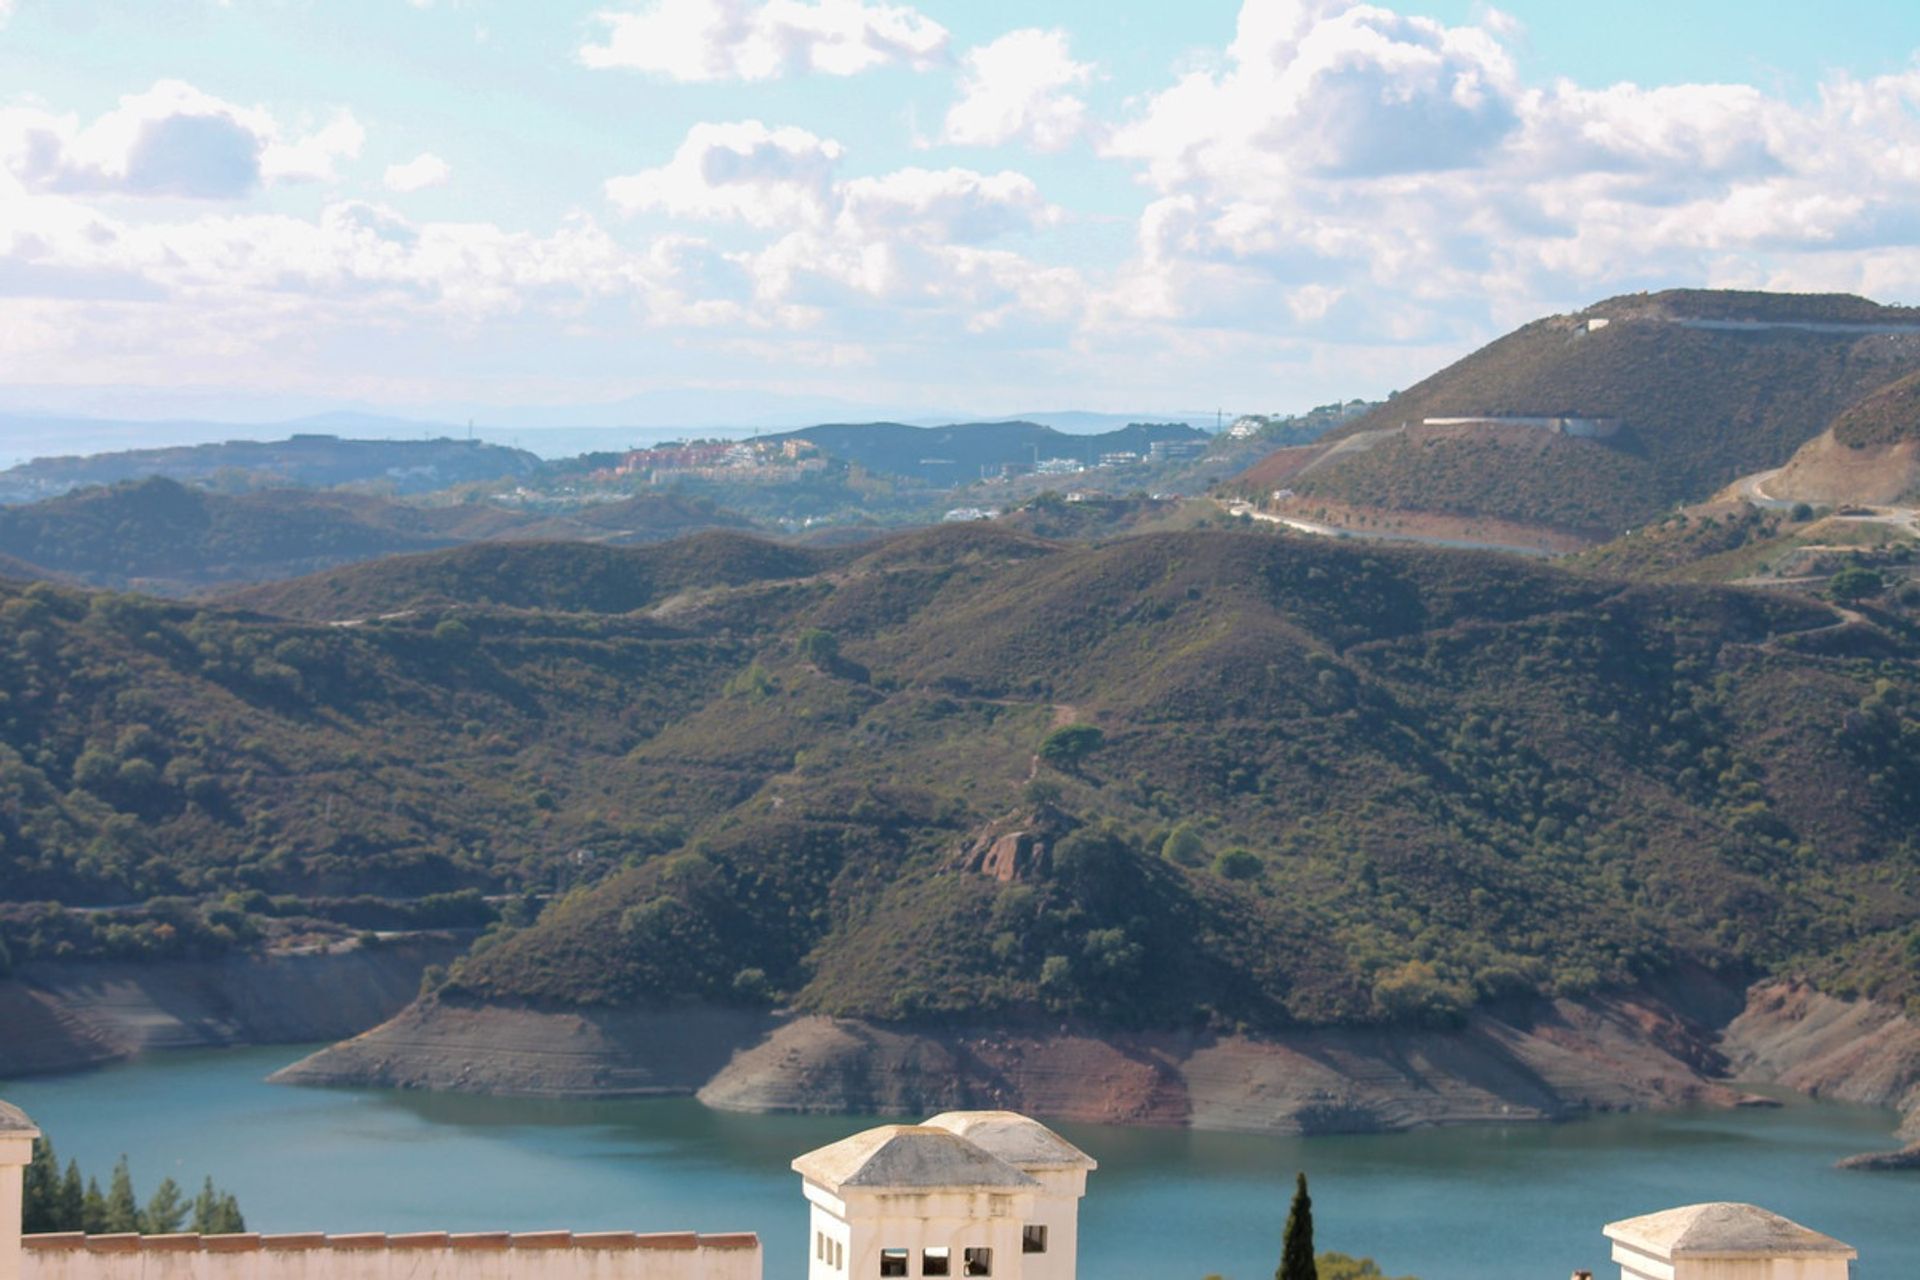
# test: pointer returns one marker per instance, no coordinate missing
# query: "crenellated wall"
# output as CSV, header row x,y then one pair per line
x,y
540,1255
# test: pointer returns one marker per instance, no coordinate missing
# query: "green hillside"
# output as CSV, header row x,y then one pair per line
x,y
1281,782
1707,393
163,536
1890,415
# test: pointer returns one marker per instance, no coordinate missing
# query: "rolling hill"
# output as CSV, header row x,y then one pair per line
x,y
162,536
313,460
1696,389
1264,783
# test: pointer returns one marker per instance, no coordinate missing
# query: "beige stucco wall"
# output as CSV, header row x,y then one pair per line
x,y
557,1255
1635,1265
956,1220
16,1152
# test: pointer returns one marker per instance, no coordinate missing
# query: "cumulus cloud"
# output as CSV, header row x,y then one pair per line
x,y
1352,173
1020,86
423,171
704,40
172,140
744,170
916,238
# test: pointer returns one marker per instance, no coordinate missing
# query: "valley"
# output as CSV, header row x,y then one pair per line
x,y
1310,813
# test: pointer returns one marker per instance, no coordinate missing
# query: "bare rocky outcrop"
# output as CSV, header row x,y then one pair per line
x,y
64,1017
1018,847
463,1046
1850,1050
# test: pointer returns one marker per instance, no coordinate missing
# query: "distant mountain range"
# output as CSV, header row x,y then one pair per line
x,y
29,433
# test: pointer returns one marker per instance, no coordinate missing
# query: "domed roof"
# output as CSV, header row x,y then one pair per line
x,y
1022,1142
909,1156
1723,1230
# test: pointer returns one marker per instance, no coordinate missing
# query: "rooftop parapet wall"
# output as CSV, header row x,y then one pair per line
x,y
434,1255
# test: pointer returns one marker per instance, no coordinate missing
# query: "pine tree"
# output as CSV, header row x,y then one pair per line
x,y
123,1211
40,1191
93,1209
227,1219
73,1200
1296,1246
204,1205
165,1211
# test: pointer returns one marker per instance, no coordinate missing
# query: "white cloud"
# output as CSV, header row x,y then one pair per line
x,y
760,176
1352,174
172,140
423,171
1020,86
695,40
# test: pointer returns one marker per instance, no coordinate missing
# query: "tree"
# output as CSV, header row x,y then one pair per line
x,y
226,1217
93,1212
1238,864
1856,582
1069,745
40,1191
820,647
166,1211
73,1200
1296,1244
1184,845
123,1211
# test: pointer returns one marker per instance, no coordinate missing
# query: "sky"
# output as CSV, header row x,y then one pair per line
x,y
726,208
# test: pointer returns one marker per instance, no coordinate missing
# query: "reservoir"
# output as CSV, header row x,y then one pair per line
x,y
1484,1203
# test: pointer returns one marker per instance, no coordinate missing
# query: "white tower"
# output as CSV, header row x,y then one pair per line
x,y
1725,1242
16,1153
902,1202
1050,1240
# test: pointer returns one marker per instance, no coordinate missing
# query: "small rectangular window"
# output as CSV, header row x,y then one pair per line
x,y
839,1257
977,1262
820,1246
1033,1239
936,1262
893,1262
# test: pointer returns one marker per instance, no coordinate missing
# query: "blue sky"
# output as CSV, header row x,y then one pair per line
x,y
438,207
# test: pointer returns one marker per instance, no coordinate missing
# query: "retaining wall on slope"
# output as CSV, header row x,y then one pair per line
x,y
541,1255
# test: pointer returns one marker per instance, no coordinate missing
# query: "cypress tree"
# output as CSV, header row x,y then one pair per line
x,y
1296,1246
73,1200
123,1211
93,1209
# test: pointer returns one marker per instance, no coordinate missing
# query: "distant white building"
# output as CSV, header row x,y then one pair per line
x,y
987,1195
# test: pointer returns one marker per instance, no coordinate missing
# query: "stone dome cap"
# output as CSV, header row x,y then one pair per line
x,y
1724,1231
1022,1142
14,1121
909,1157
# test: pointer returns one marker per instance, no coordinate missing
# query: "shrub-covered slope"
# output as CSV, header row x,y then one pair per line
x,y
1711,386
163,536
1267,783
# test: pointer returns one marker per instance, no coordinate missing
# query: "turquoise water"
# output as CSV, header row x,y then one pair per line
x,y
1525,1201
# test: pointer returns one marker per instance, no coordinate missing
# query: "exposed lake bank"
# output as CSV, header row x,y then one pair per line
x,y
1680,1043
1166,1203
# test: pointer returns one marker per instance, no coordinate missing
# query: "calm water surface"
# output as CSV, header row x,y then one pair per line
x,y
1460,1204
